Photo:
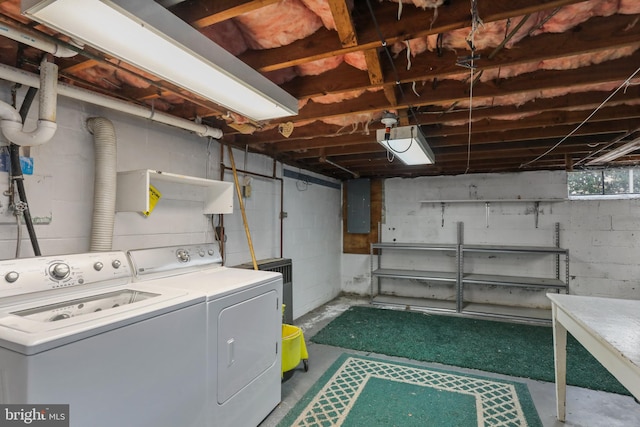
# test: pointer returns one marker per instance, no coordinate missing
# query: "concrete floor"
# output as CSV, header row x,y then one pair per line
x,y
585,408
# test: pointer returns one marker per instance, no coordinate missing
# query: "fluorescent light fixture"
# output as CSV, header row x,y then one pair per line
x,y
148,36
623,150
408,144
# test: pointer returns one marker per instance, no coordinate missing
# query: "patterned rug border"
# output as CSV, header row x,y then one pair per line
x,y
521,389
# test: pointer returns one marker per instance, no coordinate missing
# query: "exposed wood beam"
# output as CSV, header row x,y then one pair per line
x,y
586,101
344,23
597,34
202,13
454,16
451,91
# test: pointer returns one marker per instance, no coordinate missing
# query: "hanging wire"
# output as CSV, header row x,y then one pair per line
x,y
390,156
606,147
624,84
396,75
403,151
509,35
544,21
470,118
475,22
385,46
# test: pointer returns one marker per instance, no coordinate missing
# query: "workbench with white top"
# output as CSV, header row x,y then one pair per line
x,y
608,328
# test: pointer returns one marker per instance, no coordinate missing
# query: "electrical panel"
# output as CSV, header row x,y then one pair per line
x,y
359,206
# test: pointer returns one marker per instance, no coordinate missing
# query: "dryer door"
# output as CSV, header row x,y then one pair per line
x,y
248,341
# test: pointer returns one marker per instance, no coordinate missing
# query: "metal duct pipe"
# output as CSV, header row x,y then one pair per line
x,y
325,160
104,187
30,79
11,122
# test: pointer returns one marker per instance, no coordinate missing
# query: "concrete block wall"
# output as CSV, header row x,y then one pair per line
x,y
605,243
66,165
601,235
262,209
313,240
68,162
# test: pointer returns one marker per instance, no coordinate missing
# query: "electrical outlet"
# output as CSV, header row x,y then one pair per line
x,y
246,187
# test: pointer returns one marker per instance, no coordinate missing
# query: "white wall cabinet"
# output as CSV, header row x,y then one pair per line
x,y
133,190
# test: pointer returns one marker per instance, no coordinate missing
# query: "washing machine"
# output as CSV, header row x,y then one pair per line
x,y
76,330
244,327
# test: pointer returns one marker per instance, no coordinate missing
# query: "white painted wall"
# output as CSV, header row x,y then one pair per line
x,y
313,239
602,236
61,190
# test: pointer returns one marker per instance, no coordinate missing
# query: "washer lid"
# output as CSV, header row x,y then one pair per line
x,y
83,306
34,327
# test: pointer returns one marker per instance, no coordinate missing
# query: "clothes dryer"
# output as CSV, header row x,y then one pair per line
x,y
244,327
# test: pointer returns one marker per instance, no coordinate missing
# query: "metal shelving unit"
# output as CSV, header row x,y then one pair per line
x,y
459,278
442,277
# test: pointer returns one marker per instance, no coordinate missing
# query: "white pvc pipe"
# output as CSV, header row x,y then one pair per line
x,y
11,124
30,79
35,41
14,132
104,187
48,95
10,114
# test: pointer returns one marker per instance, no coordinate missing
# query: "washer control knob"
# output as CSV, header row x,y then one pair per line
x,y
116,263
98,266
11,276
59,270
211,252
183,256
201,253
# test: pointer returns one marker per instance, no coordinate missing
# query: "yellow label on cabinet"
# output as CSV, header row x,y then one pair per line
x,y
154,196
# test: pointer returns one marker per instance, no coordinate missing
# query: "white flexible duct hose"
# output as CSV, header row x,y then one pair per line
x,y
11,123
104,193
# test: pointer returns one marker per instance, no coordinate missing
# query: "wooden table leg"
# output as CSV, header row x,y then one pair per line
x,y
560,358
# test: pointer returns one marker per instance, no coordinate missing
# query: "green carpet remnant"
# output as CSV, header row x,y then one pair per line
x,y
515,349
362,391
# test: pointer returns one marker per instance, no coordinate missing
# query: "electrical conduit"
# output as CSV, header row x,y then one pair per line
x,y
104,205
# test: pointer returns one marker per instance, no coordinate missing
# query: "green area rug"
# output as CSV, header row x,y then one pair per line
x,y
519,350
362,391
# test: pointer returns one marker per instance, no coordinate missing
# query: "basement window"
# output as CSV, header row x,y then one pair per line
x,y
619,183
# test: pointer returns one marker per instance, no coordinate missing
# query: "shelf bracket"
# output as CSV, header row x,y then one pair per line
x,y
487,207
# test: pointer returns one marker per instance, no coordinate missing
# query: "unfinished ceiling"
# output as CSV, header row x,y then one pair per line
x,y
496,85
